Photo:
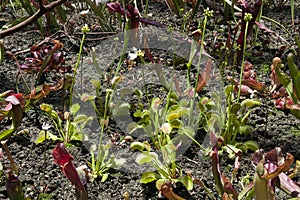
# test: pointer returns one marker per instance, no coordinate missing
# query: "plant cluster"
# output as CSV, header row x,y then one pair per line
x,y
173,121
284,89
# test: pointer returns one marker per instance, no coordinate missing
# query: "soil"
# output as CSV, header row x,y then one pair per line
x,y
42,178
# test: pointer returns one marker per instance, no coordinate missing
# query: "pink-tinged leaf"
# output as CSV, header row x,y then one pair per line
x,y
15,107
280,93
63,158
244,3
249,73
245,90
275,82
35,55
115,7
1,153
45,59
263,28
270,174
284,103
279,103
214,154
58,57
13,100
8,107
288,185
254,84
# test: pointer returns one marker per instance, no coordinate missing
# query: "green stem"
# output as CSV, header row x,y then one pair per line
x,y
107,100
73,80
263,17
243,60
76,67
198,71
189,64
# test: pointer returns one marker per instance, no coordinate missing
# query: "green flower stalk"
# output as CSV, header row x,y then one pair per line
x,y
207,13
247,19
85,29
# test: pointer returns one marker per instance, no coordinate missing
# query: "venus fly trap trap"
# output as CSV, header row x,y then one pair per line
x,y
149,100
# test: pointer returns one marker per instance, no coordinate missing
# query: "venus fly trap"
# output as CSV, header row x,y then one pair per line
x,y
167,173
102,162
171,117
161,123
69,130
230,123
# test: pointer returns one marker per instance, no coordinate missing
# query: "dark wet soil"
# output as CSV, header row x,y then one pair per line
x,y
41,177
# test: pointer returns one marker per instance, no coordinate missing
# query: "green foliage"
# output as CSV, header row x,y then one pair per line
x,y
44,135
175,5
166,170
101,12
69,126
103,162
162,122
232,122
295,74
261,187
236,116
291,84
69,131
